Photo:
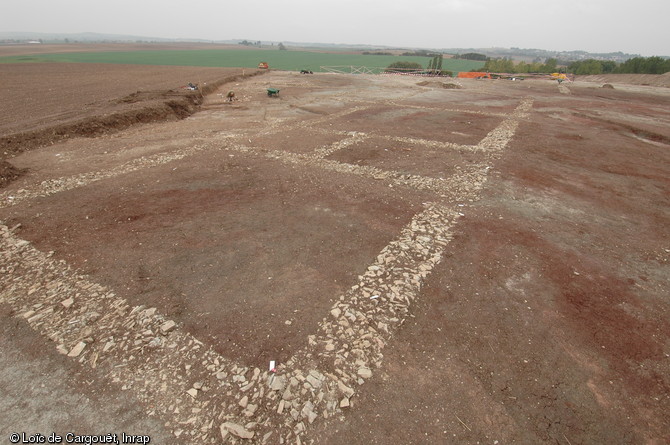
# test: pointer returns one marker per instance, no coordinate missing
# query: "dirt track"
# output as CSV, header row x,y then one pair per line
x,y
480,265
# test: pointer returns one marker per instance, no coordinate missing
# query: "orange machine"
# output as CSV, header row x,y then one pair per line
x,y
263,66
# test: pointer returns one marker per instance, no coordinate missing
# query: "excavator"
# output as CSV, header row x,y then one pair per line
x,y
559,76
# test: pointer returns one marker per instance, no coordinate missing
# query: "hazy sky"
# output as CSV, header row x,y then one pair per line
x,y
632,26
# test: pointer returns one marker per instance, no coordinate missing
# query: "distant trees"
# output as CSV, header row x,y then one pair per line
x,y
248,43
649,65
435,65
401,67
471,56
507,65
550,66
281,47
589,66
420,53
502,65
636,65
376,53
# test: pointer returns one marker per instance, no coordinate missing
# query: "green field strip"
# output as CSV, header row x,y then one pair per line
x,y
238,58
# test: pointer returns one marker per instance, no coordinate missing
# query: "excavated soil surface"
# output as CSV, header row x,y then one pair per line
x,y
44,103
545,319
654,80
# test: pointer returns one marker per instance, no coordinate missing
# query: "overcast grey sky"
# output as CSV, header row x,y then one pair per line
x,y
631,26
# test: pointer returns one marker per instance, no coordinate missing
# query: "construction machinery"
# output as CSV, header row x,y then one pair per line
x,y
559,76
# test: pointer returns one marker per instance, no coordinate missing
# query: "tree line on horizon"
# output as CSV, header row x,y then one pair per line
x,y
636,65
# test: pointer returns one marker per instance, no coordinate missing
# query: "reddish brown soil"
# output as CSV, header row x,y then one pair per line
x,y
49,102
226,273
546,321
8,173
401,157
462,128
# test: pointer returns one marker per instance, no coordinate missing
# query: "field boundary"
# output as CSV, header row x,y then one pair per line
x,y
175,106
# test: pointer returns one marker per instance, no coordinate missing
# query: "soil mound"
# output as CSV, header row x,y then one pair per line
x,y
436,84
655,80
8,173
93,126
137,108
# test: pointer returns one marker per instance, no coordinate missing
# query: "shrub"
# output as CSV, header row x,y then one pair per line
x,y
401,67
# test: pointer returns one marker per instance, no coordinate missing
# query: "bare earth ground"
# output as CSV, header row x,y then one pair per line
x,y
65,92
425,265
653,80
93,99
88,99
30,49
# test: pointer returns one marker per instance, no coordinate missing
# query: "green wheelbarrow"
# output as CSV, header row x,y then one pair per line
x,y
273,92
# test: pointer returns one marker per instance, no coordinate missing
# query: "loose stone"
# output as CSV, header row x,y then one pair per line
x,y
168,326
236,430
364,372
77,349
